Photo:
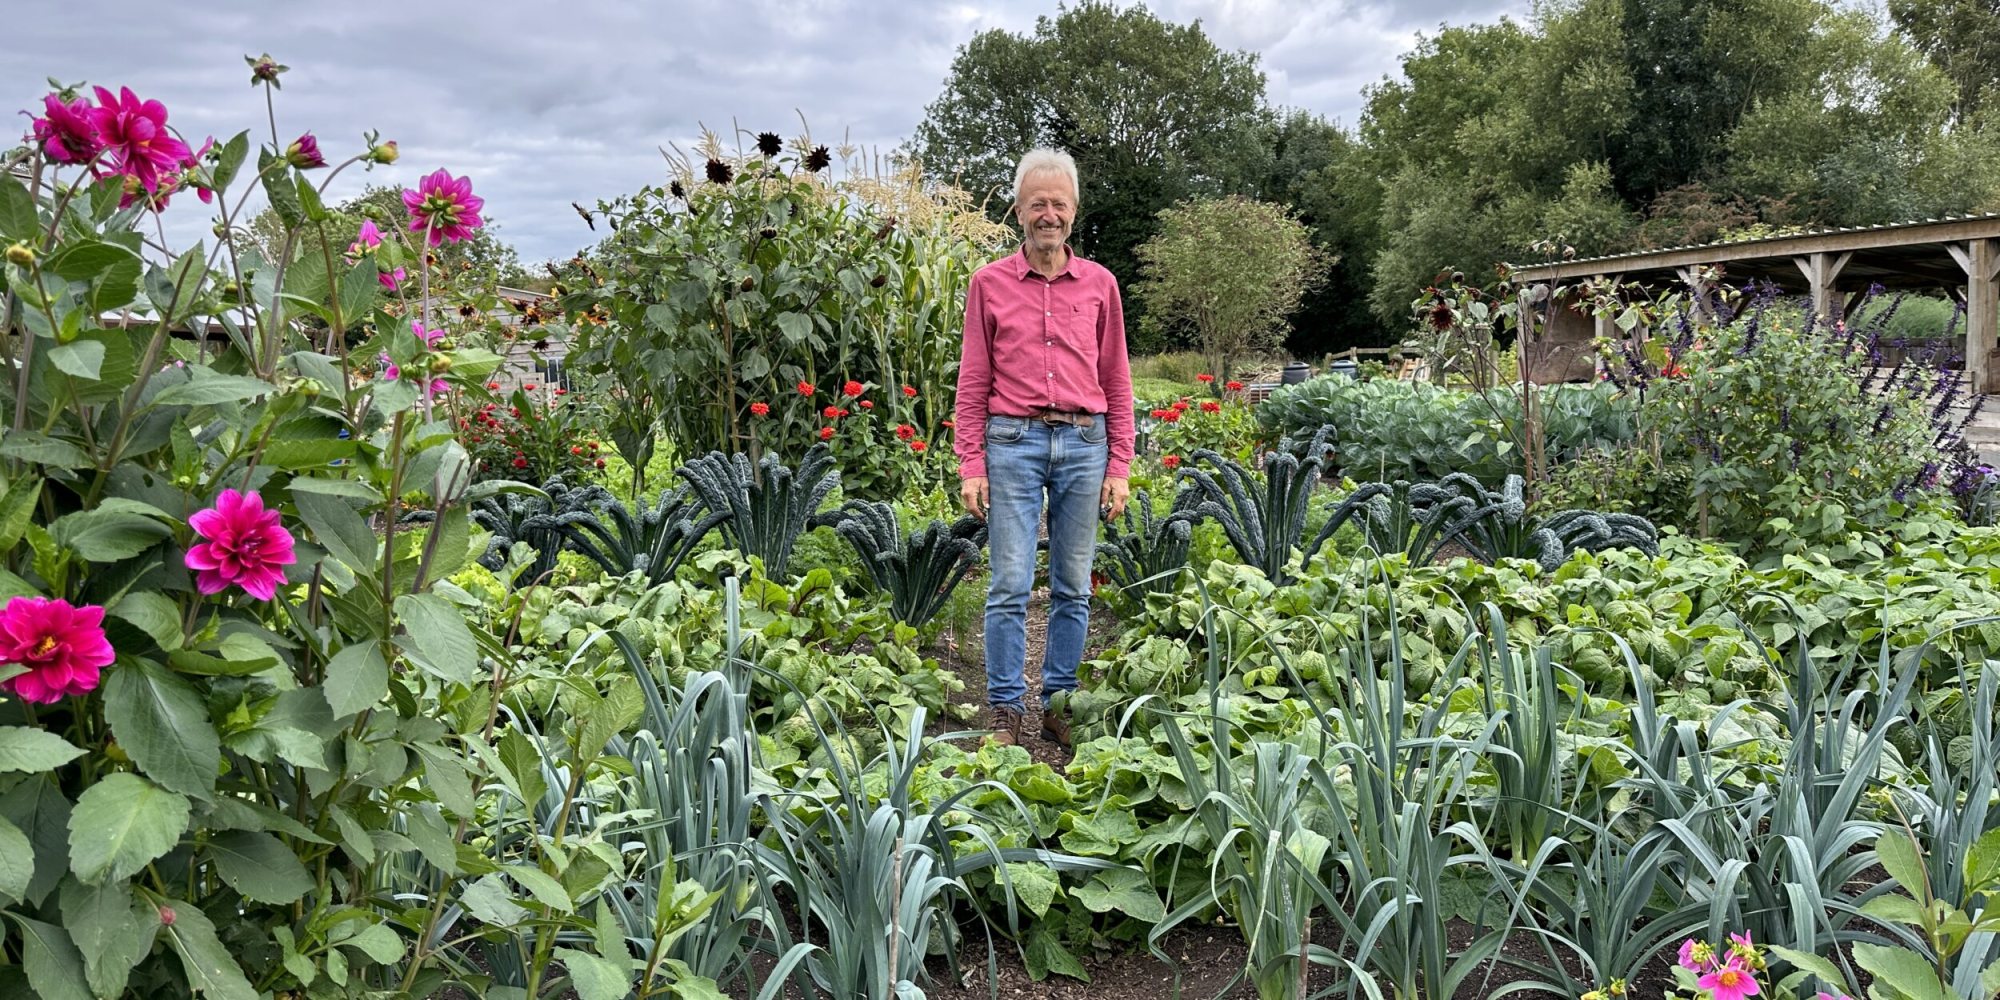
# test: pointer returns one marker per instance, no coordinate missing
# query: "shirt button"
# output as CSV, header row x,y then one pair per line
x,y
1052,374
1048,314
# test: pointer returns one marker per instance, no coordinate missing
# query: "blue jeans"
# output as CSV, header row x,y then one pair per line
x,y
1027,461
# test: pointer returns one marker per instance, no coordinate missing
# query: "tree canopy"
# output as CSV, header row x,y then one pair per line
x,y
1600,126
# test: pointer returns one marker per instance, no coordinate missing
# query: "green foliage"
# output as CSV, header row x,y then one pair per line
x,y
1390,430
655,542
1148,554
919,570
702,303
1233,269
1791,429
1265,522
765,510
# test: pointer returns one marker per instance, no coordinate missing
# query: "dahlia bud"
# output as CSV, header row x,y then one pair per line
x,y
22,254
384,153
749,283
221,231
440,364
264,69
878,281
768,233
309,390
231,289
167,916
304,153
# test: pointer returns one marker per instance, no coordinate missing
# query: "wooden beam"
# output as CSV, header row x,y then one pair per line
x,y
1981,261
1909,235
1698,292
1821,271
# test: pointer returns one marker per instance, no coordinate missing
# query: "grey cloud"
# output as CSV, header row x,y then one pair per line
x,y
544,104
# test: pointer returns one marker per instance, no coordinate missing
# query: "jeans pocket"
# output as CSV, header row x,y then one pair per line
x,y
1005,430
1095,433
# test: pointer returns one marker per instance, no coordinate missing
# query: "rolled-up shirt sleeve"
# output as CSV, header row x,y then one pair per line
x,y
975,385
1114,376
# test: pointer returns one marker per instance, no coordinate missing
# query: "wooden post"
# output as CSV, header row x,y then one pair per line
x,y
1698,289
1981,261
1821,271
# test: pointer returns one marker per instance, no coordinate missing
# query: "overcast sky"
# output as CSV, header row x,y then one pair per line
x,y
544,103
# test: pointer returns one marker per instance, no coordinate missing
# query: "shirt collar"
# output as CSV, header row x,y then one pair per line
x,y
1023,271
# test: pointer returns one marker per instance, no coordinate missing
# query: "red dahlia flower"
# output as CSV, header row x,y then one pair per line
x,y
62,647
244,544
444,207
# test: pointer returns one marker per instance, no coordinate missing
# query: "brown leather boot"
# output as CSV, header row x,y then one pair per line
x,y
1055,726
1006,723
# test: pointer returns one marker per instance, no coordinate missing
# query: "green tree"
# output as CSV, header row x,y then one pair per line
x,y
1962,37
1231,268
1152,111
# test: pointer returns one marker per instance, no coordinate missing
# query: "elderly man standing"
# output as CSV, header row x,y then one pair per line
x,y
1044,412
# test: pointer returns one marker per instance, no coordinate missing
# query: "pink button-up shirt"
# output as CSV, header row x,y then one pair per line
x,y
1035,343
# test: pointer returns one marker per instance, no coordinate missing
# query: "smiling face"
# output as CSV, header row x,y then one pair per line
x,y
1046,209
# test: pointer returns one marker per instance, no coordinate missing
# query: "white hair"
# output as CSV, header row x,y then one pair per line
x,y
1045,159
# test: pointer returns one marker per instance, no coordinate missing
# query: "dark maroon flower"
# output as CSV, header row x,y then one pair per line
x,y
719,172
819,159
769,144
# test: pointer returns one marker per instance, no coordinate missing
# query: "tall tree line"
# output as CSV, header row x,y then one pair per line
x,y
1600,125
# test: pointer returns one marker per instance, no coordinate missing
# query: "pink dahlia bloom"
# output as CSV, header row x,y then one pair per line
x,y
445,207
63,647
136,138
391,279
1730,981
429,337
367,239
304,153
391,371
245,545
69,132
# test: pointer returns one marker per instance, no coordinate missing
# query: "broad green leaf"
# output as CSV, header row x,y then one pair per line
x,y
1982,862
595,977
37,808
523,760
1829,975
30,446
103,535
154,615
309,200
542,886
210,969
339,529
437,638
1907,971
17,507
1034,885
163,723
120,825
307,453
377,941
17,862
1903,861
176,288
259,866
113,931
209,389
81,358
492,902
281,188
233,153
25,749
1043,952
54,968
358,290
357,678
1122,890
18,220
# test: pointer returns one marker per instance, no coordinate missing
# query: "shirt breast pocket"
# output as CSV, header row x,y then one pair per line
x,y
1083,321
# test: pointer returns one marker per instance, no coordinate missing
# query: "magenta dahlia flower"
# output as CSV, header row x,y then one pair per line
x,y
135,136
304,153
69,132
391,279
62,647
445,207
245,545
367,239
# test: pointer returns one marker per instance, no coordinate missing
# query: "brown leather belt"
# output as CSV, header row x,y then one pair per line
x,y
1075,418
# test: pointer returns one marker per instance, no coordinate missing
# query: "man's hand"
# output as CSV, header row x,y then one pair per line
x,y
1114,495
973,492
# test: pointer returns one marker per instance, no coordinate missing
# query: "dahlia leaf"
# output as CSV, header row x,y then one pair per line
x,y
113,929
17,862
259,866
210,971
25,749
284,194
437,639
203,391
18,220
50,959
357,678
122,824
80,358
163,723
